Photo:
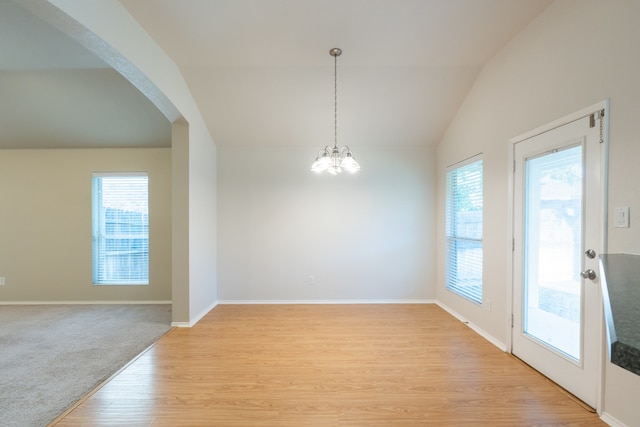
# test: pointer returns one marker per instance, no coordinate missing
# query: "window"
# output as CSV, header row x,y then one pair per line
x,y
464,229
120,229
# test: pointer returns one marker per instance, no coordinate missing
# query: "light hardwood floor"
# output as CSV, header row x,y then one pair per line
x,y
328,365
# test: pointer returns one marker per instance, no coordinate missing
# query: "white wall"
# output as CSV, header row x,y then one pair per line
x,y
203,215
107,29
575,54
367,236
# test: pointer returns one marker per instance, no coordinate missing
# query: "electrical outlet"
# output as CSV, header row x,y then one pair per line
x,y
1,281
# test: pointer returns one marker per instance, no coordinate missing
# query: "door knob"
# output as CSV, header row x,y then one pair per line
x,y
590,253
588,274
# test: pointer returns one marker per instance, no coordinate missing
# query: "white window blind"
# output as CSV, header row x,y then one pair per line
x,y
464,229
120,229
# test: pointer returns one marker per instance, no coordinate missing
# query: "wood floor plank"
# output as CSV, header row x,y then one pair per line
x,y
328,365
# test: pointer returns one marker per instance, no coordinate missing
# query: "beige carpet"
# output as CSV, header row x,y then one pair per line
x,y
51,356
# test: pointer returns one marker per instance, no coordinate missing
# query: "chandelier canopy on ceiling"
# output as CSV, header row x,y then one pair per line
x,y
334,160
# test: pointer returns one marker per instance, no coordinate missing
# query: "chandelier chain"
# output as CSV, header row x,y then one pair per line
x,y
601,114
335,101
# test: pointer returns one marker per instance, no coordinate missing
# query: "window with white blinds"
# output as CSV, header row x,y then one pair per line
x,y
464,229
120,229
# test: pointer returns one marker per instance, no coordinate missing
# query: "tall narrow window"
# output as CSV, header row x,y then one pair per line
x,y
464,229
120,229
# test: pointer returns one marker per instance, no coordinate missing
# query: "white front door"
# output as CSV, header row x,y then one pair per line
x,y
558,235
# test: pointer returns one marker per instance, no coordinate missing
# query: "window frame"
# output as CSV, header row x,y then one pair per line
x,y
100,234
454,238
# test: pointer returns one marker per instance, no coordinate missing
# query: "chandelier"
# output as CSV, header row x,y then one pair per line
x,y
334,160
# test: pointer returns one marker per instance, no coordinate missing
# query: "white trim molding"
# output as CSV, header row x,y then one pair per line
x,y
84,302
365,301
612,421
502,346
194,320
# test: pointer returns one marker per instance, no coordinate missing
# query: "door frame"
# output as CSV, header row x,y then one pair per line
x,y
604,161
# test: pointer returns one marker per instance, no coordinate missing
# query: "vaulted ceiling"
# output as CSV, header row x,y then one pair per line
x,y
260,71
56,94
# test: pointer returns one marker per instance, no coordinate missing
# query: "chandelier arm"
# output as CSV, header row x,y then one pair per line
x,y
325,150
345,150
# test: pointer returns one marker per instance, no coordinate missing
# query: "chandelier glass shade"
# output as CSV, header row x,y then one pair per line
x,y
334,160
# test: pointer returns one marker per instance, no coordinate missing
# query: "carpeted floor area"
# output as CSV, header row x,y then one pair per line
x,y
51,356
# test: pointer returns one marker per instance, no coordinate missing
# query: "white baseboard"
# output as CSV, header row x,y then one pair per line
x,y
194,320
350,301
502,346
83,302
181,324
292,302
612,421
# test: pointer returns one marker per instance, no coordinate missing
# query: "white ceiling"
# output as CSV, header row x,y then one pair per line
x,y
261,73
56,94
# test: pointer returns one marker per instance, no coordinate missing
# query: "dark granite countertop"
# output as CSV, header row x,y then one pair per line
x,y
620,279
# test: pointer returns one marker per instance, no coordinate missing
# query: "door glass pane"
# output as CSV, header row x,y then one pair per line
x,y
553,249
